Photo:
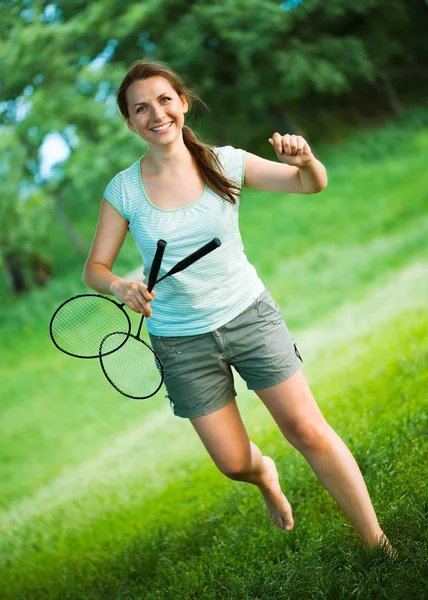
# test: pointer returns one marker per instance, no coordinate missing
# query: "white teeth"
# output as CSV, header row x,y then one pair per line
x,y
161,128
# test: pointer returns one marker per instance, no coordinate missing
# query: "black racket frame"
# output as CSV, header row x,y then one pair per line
x,y
119,306
178,267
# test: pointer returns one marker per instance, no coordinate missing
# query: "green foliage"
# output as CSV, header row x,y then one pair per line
x,y
261,68
25,209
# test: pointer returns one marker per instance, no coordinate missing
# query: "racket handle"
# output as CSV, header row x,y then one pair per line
x,y
189,260
154,270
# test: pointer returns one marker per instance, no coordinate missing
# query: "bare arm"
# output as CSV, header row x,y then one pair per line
x,y
299,172
108,240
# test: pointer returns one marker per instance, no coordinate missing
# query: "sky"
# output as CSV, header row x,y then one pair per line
x,y
54,149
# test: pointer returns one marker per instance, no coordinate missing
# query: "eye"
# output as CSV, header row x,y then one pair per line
x,y
167,98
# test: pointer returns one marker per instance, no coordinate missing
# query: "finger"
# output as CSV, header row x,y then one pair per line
x,y
300,145
131,306
293,144
144,309
139,302
147,311
277,142
144,292
286,143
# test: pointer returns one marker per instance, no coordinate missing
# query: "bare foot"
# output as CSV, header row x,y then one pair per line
x,y
383,541
278,507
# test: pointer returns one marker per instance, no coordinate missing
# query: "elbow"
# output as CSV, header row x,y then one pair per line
x,y
86,275
85,278
322,184
315,189
320,188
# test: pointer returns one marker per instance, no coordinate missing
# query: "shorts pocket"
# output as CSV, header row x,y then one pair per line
x,y
268,310
162,350
172,349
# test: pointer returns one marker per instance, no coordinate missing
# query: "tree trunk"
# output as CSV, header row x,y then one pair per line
x,y
15,275
41,269
389,95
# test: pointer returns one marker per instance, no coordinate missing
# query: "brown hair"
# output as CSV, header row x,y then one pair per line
x,y
207,163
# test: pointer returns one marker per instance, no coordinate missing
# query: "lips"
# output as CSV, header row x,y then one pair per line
x,y
167,127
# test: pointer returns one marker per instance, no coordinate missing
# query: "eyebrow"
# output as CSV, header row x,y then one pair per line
x,y
160,96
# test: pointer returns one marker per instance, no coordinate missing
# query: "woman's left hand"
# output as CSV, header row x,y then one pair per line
x,y
292,150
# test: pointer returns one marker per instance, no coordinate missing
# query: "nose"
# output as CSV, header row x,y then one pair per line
x,y
158,112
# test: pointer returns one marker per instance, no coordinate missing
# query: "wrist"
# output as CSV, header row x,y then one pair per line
x,y
307,165
115,285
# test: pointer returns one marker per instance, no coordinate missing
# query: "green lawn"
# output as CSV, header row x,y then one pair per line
x,y
103,497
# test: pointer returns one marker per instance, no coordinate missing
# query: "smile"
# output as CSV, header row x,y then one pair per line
x,y
162,128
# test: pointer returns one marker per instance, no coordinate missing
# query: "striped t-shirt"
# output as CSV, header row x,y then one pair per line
x,y
215,289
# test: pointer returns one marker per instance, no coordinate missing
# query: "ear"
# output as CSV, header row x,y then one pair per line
x,y
184,104
130,125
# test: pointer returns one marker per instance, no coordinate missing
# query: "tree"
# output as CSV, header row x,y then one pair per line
x,y
259,68
25,216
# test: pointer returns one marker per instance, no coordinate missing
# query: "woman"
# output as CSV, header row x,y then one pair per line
x,y
217,313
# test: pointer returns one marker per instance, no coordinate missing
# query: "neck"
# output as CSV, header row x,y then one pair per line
x,y
164,159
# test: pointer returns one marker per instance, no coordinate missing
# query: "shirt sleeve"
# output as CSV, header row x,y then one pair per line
x,y
115,196
233,162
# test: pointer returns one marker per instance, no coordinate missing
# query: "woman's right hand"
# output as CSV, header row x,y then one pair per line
x,y
135,295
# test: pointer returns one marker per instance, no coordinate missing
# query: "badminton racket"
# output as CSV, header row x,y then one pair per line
x,y
130,364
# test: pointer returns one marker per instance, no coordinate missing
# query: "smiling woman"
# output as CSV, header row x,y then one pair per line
x,y
153,101
218,314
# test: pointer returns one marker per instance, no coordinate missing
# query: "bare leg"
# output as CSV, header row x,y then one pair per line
x,y
226,439
296,412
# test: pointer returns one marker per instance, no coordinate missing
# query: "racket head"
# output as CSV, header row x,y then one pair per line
x,y
134,370
79,325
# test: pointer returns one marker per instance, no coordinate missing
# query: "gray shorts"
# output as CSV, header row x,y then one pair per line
x,y
198,377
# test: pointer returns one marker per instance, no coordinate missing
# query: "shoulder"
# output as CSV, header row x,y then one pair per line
x,y
232,160
225,151
128,172
119,190
124,178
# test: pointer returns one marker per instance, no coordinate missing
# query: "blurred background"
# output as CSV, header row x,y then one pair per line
x,y
322,70
89,494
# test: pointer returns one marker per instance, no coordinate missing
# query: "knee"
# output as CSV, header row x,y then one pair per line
x,y
312,436
235,469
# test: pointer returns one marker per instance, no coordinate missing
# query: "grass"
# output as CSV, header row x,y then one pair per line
x,y
103,497
120,527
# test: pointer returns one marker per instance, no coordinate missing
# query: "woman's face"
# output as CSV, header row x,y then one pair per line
x,y
153,103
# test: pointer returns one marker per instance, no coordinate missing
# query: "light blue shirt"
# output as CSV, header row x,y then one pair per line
x,y
215,289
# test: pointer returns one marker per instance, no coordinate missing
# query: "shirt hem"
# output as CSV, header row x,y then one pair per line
x,y
213,326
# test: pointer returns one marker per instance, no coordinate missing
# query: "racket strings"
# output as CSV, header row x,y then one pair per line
x,y
81,324
134,369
